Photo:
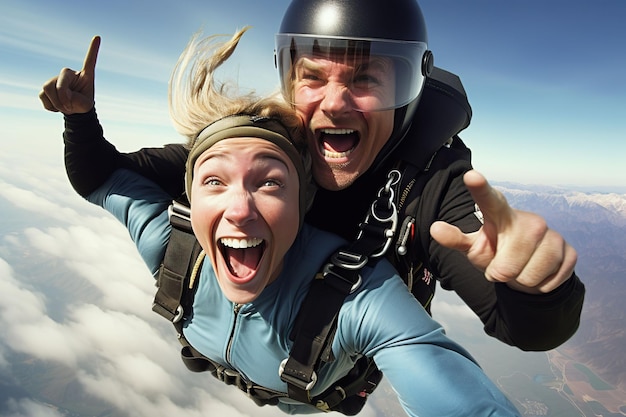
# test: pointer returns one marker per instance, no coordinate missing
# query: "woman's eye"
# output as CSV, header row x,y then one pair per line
x,y
214,182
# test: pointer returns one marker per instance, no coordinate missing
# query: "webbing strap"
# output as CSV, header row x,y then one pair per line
x,y
197,362
317,320
315,326
182,249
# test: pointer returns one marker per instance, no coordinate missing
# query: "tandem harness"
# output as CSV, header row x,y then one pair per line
x,y
382,233
315,324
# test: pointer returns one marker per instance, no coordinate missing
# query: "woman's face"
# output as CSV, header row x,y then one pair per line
x,y
244,213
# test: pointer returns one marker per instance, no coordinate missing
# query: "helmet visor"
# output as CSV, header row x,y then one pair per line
x,y
370,74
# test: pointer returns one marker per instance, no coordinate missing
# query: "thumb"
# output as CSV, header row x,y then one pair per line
x,y
450,236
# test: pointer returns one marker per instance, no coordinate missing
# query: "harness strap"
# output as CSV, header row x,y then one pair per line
x,y
197,362
181,252
316,322
349,394
312,342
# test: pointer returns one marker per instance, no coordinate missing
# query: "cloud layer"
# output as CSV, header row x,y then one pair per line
x,y
74,293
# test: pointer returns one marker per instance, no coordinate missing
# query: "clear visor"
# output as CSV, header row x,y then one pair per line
x,y
368,74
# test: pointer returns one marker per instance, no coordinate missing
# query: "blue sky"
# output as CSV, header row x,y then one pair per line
x,y
545,79
546,83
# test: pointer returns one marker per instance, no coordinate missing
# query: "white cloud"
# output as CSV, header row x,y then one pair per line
x,y
29,408
444,310
18,304
75,293
455,316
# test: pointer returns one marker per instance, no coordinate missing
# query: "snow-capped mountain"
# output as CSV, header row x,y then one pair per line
x,y
595,224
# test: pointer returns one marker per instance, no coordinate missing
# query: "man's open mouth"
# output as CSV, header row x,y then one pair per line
x,y
338,143
242,256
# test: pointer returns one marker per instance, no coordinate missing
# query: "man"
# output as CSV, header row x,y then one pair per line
x,y
356,76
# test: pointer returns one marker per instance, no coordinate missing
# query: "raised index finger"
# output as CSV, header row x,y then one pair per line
x,y
89,64
491,202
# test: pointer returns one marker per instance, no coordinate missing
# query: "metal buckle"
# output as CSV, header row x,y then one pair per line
x,y
179,210
178,315
349,260
386,195
290,379
354,286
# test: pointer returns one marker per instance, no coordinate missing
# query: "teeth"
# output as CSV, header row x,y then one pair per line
x,y
329,154
241,243
337,131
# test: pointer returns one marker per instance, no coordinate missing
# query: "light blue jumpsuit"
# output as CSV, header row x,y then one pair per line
x,y
432,375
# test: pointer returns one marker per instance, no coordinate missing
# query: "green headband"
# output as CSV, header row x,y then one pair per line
x,y
242,126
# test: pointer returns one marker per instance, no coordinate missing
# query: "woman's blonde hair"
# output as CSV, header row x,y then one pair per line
x,y
196,98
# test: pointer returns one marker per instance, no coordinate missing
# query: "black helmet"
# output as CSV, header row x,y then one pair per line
x,y
390,28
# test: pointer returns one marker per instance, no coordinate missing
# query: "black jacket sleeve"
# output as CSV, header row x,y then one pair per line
x,y
530,322
90,158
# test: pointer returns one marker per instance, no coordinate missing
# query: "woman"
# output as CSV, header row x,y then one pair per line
x,y
248,180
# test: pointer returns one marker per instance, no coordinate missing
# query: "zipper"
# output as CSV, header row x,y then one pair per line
x,y
236,308
405,193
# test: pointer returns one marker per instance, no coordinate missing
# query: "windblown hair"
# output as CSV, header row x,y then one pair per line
x,y
196,98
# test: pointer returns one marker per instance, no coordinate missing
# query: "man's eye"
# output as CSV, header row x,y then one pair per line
x,y
272,183
311,77
306,75
365,81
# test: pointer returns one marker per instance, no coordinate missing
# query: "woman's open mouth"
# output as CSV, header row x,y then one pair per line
x,y
242,256
338,143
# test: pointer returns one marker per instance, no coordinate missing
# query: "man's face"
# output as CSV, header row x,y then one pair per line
x,y
245,213
334,98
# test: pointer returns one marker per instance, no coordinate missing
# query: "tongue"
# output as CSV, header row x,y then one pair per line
x,y
339,143
243,261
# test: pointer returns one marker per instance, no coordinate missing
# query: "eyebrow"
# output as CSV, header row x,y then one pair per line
x,y
380,64
263,155
376,64
308,63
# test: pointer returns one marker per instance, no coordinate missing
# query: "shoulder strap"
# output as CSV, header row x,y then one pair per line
x,y
317,321
171,300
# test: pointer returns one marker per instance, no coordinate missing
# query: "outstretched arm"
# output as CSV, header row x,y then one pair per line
x,y
89,158
431,374
528,318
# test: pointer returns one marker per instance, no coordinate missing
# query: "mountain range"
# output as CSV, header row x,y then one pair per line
x,y
595,224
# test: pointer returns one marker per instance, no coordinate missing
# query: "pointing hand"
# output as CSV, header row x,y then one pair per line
x,y
512,246
73,91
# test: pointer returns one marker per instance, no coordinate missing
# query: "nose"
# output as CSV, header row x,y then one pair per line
x,y
337,100
241,209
